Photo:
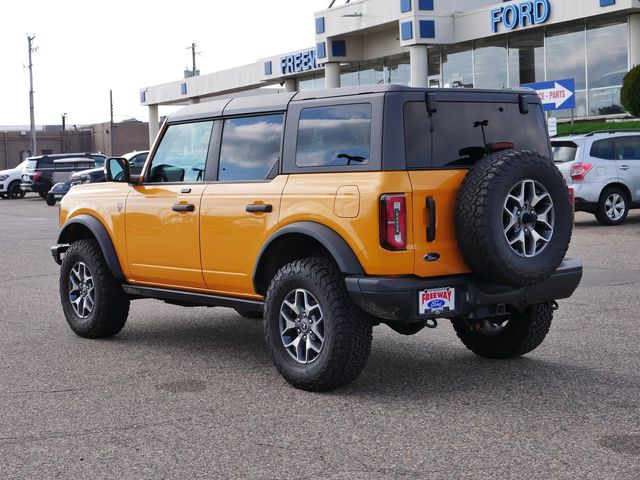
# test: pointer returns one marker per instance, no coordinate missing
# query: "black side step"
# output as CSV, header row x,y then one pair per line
x,y
191,298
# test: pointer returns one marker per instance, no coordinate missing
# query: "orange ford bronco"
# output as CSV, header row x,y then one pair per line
x,y
330,212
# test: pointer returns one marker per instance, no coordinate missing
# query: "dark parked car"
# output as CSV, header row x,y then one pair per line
x,y
136,160
38,174
60,189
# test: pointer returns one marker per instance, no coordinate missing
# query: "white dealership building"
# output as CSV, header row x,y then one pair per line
x,y
444,43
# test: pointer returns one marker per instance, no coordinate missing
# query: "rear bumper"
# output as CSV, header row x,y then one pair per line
x,y
37,187
396,298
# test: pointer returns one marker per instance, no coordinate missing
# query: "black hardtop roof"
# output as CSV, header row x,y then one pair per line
x,y
279,101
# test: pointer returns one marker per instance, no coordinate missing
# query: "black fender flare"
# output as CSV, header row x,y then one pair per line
x,y
101,235
328,238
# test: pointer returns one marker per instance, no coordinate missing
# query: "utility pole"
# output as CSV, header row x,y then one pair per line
x,y
111,121
194,70
64,133
193,58
31,110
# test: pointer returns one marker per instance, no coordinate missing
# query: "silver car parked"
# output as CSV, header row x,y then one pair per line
x,y
604,169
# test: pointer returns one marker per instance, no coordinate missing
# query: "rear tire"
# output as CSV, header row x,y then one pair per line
x,y
522,333
318,338
613,207
93,301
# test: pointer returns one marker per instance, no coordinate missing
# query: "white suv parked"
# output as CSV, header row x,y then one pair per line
x,y
604,168
10,182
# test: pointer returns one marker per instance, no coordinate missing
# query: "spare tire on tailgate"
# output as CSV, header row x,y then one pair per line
x,y
513,218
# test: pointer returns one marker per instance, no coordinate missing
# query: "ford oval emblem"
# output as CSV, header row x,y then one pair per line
x,y
432,257
437,303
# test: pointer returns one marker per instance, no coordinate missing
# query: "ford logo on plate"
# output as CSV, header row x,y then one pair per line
x,y
438,303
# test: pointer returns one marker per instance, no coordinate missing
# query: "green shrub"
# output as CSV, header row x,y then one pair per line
x,y
630,93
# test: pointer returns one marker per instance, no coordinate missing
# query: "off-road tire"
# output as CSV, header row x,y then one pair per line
x,y
347,329
479,218
601,215
111,303
50,199
252,314
524,332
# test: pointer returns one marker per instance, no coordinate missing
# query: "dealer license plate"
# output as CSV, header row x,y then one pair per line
x,y
436,300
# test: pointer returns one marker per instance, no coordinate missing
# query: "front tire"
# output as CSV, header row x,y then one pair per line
x,y
613,207
50,199
15,191
93,301
519,334
318,338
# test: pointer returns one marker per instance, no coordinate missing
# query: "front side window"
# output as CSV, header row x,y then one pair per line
x,y
250,148
182,153
338,135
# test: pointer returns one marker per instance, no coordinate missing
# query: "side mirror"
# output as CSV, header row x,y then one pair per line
x,y
117,170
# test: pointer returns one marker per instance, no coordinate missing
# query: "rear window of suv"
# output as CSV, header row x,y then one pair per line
x,y
457,134
564,151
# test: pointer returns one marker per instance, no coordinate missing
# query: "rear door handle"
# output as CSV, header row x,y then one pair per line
x,y
183,208
259,207
624,167
431,212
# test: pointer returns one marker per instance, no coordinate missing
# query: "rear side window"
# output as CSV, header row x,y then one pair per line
x,y
627,148
602,149
564,151
250,148
337,135
457,135
182,153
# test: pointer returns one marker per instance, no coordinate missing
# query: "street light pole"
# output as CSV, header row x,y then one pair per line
x,y
64,133
34,150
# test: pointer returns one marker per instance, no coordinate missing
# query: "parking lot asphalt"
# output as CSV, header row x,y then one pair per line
x,y
191,392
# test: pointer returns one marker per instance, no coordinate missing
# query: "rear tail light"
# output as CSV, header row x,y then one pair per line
x,y
36,176
393,221
497,146
579,170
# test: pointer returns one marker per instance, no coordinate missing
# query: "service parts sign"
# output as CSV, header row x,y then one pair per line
x,y
556,94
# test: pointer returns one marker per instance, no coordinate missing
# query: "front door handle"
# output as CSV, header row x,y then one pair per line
x,y
259,207
183,208
624,167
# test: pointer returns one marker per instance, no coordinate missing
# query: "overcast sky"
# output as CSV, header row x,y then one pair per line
x,y
87,48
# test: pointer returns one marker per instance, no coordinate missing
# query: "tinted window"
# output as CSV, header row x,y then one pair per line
x,y
250,147
602,149
627,148
564,151
458,133
336,135
182,153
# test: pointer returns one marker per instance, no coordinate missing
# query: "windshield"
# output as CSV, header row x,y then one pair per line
x,y
564,151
